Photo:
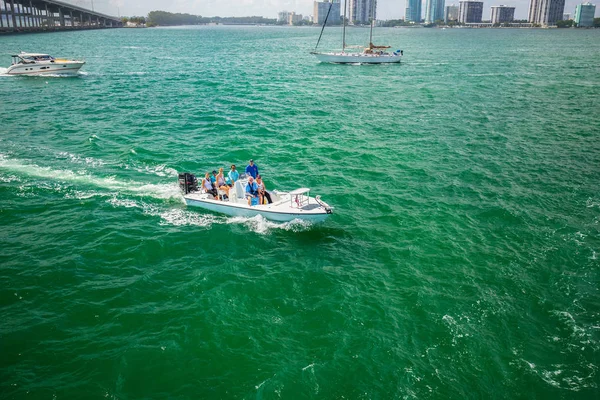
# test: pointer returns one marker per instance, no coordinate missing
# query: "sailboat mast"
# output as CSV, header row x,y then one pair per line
x,y
324,23
344,27
372,21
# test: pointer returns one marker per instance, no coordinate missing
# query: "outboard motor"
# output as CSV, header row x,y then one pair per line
x,y
188,182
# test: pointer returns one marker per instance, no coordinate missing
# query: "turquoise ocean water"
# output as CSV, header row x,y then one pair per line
x,y
461,261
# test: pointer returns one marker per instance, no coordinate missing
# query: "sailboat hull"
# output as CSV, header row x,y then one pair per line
x,y
360,58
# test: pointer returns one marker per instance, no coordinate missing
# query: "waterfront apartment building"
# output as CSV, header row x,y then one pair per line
x,y
283,17
320,12
470,12
294,18
584,14
451,13
546,12
501,14
413,11
434,10
360,11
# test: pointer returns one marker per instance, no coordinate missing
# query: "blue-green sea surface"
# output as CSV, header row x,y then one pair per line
x,y
462,260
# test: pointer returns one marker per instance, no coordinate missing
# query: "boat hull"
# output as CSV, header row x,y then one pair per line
x,y
46,68
358,58
241,210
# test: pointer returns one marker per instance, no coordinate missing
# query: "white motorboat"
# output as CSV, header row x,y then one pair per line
x,y
370,54
42,64
285,206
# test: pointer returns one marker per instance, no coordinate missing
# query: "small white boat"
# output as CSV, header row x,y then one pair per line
x,y
42,64
286,206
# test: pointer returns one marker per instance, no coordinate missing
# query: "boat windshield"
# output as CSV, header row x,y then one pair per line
x,y
32,58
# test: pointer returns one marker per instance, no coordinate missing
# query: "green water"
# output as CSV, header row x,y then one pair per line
x,y
461,261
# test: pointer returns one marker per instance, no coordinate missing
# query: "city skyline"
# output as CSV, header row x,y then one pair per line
x,y
387,9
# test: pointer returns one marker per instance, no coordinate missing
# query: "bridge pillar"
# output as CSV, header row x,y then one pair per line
x,y
71,13
18,14
61,17
13,15
12,10
38,17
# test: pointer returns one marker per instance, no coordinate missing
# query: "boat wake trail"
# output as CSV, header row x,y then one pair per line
x,y
262,225
180,216
4,73
85,179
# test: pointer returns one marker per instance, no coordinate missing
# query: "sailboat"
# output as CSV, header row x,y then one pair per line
x,y
369,55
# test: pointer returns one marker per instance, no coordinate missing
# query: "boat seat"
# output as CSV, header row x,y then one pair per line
x,y
239,190
221,194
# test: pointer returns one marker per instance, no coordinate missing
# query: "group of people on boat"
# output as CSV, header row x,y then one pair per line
x,y
255,187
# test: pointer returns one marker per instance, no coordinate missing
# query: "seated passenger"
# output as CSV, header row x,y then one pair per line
x,y
251,190
207,185
262,191
233,175
221,182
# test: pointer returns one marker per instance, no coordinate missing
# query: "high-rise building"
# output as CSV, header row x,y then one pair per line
x,y
584,14
360,11
434,10
321,8
502,14
283,17
470,11
413,11
451,13
566,16
546,12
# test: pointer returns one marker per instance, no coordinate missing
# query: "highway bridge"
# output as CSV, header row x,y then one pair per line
x,y
50,15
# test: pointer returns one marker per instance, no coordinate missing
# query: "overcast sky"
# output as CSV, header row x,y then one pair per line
x,y
387,9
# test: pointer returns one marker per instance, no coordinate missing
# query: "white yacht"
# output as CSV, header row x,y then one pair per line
x,y
42,64
285,206
370,54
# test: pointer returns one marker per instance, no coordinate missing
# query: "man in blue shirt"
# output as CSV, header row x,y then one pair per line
x,y
233,175
252,169
251,190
